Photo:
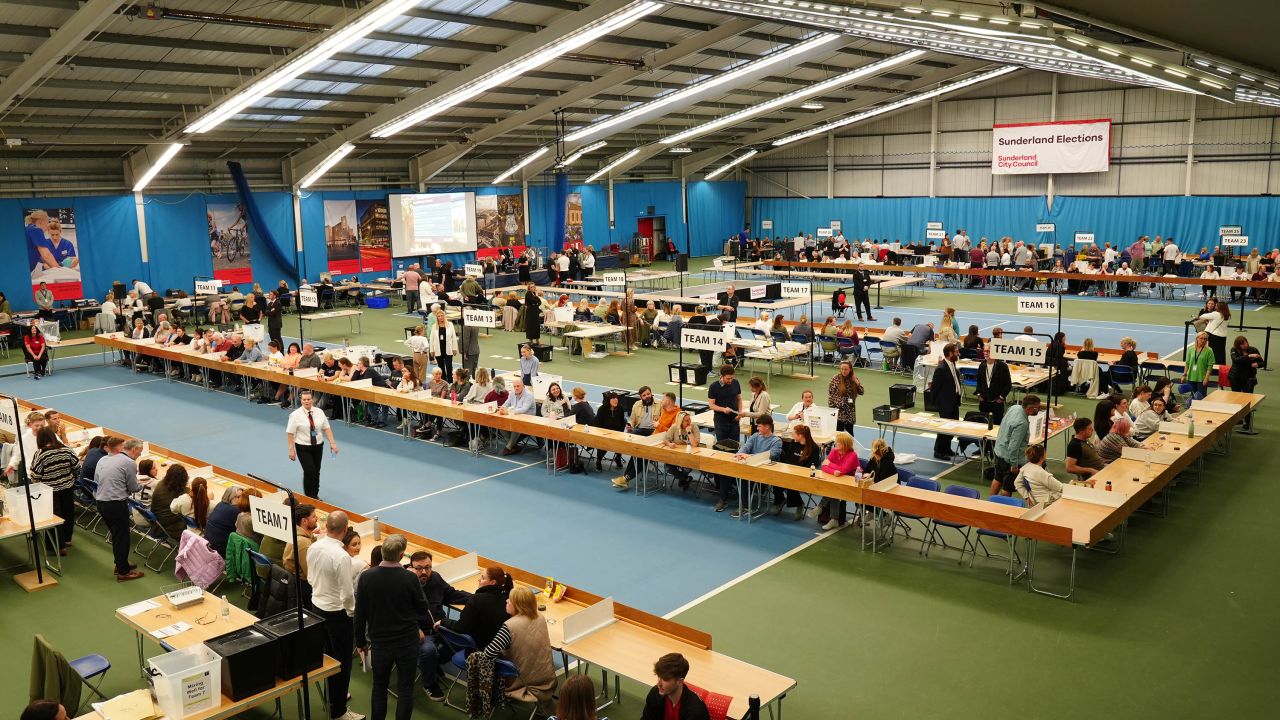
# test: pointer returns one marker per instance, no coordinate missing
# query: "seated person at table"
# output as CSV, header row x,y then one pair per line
x,y
683,433
1082,458
802,329
577,700
797,411
583,413
523,639
556,405
1141,401
53,710
762,440
917,343
486,609
163,497
519,402
222,520
307,521
647,418
439,594
375,414
1034,483
841,461
1210,273
674,326
610,417
1120,437
802,451
194,504
670,698
1148,421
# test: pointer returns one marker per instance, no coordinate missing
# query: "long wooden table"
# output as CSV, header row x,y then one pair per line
x,y
659,634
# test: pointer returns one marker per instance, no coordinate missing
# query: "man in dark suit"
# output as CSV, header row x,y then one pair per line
x,y
862,292
946,389
994,385
470,348
273,311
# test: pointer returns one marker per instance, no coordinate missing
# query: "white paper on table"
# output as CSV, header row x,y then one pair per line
x,y
1157,457
138,608
170,630
1097,496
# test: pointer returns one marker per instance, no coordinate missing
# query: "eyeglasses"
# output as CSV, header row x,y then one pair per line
x,y
420,568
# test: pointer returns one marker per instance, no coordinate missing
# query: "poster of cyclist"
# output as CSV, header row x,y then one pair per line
x,y
229,242
340,237
374,234
53,251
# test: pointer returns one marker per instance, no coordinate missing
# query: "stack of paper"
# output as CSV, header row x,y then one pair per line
x,y
136,705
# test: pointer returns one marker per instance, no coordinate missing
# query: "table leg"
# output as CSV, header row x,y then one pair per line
x,y
1071,576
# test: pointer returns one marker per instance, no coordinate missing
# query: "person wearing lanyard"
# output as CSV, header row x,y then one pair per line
x,y
306,444
1198,361
946,389
117,478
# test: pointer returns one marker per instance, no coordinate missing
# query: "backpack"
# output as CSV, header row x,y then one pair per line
x,y
567,457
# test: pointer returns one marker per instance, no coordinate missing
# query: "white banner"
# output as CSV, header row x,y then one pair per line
x,y
824,232
933,225
479,318
1027,352
835,224
795,289
1047,305
935,234
766,224
613,279
208,287
1235,240
692,339
1084,237
1225,230
1046,227
473,270
1072,146
308,298
271,518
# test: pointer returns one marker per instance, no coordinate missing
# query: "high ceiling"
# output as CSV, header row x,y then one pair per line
x,y
103,84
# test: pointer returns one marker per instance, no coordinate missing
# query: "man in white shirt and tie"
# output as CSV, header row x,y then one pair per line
x,y
306,443
334,595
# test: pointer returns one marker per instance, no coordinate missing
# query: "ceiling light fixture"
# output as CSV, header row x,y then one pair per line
x,y
699,88
904,102
328,45
518,67
326,165
627,156
577,155
156,167
523,161
790,98
811,105
682,150
732,163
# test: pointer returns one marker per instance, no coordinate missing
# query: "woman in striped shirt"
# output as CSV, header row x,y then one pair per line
x,y
57,466
1117,439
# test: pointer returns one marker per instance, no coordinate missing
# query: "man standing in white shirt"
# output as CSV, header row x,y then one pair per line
x,y
306,444
144,290
1171,254
35,421
334,596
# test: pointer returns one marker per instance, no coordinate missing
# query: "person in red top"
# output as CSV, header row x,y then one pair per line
x,y
669,699
36,351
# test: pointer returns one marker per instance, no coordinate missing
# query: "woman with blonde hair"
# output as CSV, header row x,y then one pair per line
x,y
523,639
841,461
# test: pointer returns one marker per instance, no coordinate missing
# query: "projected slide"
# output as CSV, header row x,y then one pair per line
x,y
433,223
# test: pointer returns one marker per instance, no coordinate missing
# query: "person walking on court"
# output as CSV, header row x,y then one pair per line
x,y
306,443
946,389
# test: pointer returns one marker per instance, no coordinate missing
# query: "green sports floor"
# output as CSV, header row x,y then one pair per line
x,y
1184,623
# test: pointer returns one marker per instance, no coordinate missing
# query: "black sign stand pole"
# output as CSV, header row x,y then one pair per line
x,y
26,483
291,501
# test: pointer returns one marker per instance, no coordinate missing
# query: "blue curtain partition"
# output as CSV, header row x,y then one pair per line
x,y
284,255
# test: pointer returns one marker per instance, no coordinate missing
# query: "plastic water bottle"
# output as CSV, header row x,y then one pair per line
x,y
857,476
1191,424
226,609
377,528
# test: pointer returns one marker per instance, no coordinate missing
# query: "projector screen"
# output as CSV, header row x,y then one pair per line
x,y
432,223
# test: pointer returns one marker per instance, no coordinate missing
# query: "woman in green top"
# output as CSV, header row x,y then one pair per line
x,y
1198,360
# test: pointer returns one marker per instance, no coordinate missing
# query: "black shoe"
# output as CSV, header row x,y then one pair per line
x,y
942,456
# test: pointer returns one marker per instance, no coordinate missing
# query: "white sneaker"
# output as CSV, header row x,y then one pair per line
x,y
832,524
350,715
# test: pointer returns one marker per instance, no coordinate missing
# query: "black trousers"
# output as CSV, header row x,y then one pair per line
x,y
942,443
862,300
273,333
1218,343
64,506
993,409
404,658
446,366
310,457
115,513
339,644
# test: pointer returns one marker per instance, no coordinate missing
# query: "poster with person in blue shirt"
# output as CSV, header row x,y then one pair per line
x,y
53,250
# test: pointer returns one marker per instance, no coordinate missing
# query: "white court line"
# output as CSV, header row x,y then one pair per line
x,y
108,387
367,513
751,573
990,327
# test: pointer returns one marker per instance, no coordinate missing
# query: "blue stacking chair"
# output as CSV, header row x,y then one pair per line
x,y
969,378
847,349
463,646
1010,540
933,534
154,533
1123,375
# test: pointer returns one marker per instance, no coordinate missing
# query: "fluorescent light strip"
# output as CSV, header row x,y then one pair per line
x,y
516,68
306,60
736,161
790,98
630,154
575,157
904,102
157,166
1246,95
699,88
326,165
523,161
